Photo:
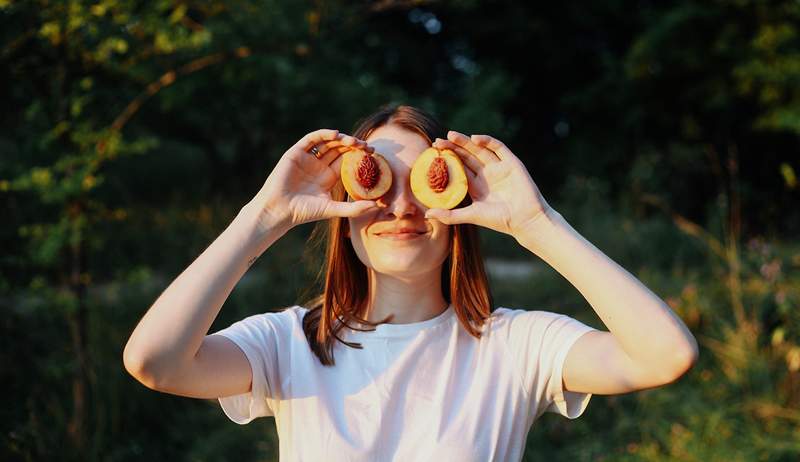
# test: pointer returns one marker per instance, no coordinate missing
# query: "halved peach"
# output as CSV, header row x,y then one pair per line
x,y
438,178
365,176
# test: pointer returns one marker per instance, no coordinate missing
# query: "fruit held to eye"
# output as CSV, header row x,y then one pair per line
x,y
365,176
438,179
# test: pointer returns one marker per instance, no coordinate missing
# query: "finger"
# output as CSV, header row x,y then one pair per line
x,y
316,137
486,156
328,153
348,140
325,147
361,144
452,216
473,164
499,148
340,140
334,157
342,143
471,176
349,209
336,163
334,153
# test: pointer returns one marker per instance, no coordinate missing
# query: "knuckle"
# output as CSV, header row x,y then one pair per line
x,y
325,132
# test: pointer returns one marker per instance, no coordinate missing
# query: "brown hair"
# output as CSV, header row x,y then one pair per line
x,y
345,294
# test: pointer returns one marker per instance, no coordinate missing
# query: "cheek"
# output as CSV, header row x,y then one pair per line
x,y
440,242
355,226
444,235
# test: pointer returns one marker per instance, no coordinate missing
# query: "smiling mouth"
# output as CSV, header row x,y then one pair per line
x,y
407,235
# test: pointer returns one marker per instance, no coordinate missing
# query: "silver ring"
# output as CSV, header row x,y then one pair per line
x,y
314,151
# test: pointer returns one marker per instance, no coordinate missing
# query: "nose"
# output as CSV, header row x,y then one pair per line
x,y
400,201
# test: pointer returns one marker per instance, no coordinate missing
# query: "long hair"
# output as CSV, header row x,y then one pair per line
x,y
345,295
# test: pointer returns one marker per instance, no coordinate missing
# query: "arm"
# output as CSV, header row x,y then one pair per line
x,y
170,334
648,344
169,349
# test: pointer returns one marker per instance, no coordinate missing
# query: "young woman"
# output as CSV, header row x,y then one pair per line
x,y
403,356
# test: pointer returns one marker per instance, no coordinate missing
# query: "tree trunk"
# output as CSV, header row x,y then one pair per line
x,y
78,322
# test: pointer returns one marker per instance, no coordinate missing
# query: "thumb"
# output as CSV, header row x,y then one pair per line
x,y
349,209
449,217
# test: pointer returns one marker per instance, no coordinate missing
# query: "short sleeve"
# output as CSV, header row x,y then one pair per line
x,y
259,337
540,341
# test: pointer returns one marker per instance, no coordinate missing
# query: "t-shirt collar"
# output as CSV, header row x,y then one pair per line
x,y
404,330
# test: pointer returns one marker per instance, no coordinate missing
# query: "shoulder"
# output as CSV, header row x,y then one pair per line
x,y
506,315
283,319
501,319
509,321
287,316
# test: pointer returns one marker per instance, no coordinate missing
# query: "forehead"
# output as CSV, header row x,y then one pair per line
x,y
398,145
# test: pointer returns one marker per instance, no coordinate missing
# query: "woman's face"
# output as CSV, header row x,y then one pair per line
x,y
399,255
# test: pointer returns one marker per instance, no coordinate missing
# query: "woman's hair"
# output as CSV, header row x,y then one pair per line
x,y
345,294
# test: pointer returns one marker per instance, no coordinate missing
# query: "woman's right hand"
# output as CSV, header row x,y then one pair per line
x,y
298,189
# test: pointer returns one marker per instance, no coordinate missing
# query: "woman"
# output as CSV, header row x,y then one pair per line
x,y
403,356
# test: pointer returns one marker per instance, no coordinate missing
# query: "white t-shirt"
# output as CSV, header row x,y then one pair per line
x,y
421,391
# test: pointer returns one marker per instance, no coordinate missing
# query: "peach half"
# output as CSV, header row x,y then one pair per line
x,y
365,176
438,179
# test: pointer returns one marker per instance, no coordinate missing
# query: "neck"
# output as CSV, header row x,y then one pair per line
x,y
409,298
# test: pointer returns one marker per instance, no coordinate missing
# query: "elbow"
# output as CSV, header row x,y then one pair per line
x,y
138,368
691,353
683,363
689,362
131,362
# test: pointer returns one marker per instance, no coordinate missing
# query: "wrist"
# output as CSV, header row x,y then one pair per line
x,y
533,234
543,218
258,228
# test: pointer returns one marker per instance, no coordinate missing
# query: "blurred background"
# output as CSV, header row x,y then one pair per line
x,y
133,131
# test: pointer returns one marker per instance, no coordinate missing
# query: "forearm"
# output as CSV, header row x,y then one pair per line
x,y
646,328
172,330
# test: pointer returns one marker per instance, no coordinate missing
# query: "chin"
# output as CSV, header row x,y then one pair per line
x,y
402,272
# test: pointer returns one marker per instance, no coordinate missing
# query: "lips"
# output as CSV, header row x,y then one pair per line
x,y
403,231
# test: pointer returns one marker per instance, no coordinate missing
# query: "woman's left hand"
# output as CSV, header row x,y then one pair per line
x,y
504,196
